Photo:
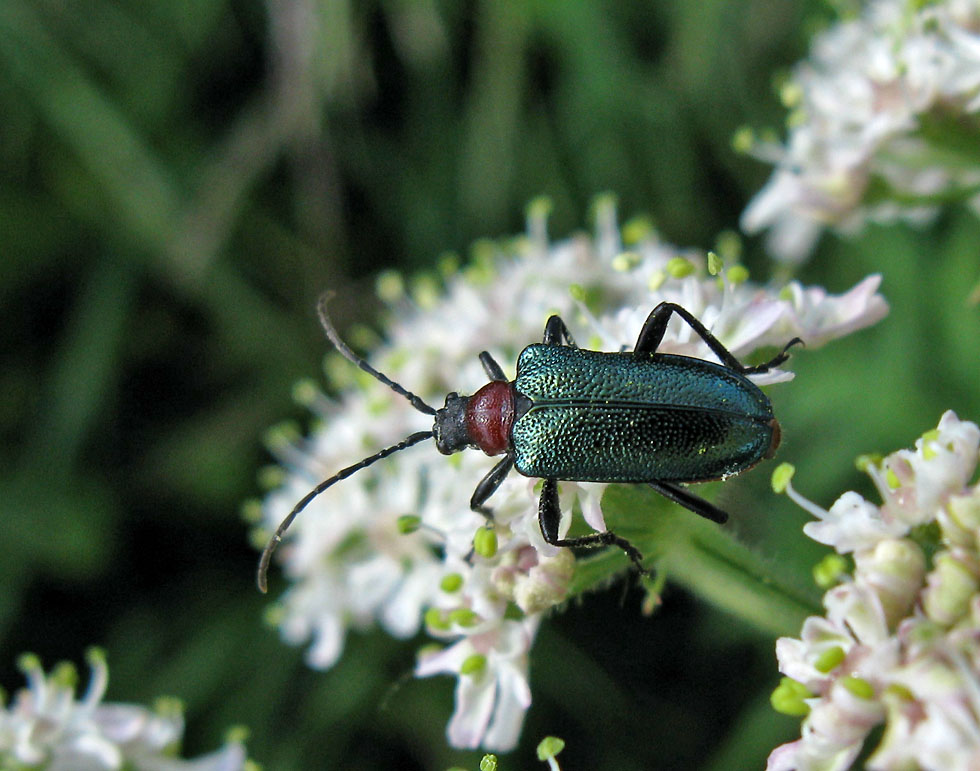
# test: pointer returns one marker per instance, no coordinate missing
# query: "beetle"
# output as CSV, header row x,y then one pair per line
x,y
589,416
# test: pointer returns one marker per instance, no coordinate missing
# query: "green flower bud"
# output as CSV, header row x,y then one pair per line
x,y
473,664
485,542
952,584
788,698
859,687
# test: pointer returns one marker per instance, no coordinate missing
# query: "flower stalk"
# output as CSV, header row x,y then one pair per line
x,y
705,559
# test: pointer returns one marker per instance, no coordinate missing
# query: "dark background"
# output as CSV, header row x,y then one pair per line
x,y
178,183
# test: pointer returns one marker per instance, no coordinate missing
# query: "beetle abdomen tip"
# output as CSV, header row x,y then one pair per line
x,y
777,435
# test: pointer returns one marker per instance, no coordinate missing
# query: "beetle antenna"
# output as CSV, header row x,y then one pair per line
x,y
284,525
352,357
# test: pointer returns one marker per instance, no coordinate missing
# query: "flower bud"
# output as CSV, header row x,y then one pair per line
x,y
546,584
951,585
894,569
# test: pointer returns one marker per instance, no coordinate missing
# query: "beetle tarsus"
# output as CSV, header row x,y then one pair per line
x,y
549,518
775,361
655,327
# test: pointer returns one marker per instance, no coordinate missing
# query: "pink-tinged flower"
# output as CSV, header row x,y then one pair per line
x,y
492,693
852,524
915,485
865,129
900,643
349,558
47,727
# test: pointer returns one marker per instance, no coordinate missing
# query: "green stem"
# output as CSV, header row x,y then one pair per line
x,y
703,558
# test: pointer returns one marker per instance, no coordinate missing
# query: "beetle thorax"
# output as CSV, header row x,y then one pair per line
x,y
482,420
489,417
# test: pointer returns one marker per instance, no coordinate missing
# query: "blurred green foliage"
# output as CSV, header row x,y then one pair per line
x,y
180,180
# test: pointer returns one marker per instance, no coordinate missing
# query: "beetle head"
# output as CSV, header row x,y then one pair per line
x,y
450,430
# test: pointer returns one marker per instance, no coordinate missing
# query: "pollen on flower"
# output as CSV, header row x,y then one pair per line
x,y
390,286
408,523
781,477
866,461
901,633
624,262
463,617
892,478
858,687
864,112
281,436
679,267
452,582
729,246
790,697
737,274
437,620
715,264
425,291
485,542
743,140
48,726
549,747
305,392
829,571
473,665
829,659
540,208
637,230
448,264
251,511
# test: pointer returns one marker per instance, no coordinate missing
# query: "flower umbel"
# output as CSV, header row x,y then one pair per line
x,y
900,644
882,125
351,559
47,727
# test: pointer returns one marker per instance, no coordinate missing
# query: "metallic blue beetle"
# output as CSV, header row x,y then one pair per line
x,y
589,416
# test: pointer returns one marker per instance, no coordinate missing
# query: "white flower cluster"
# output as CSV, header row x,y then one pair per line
x,y
348,557
883,124
47,728
900,644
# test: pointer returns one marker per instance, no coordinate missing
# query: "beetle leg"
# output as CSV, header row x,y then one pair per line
x,y
488,486
776,360
556,333
690,501
549,518
490,366
655,326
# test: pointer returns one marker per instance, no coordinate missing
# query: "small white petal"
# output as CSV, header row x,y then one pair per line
x,y
474,705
